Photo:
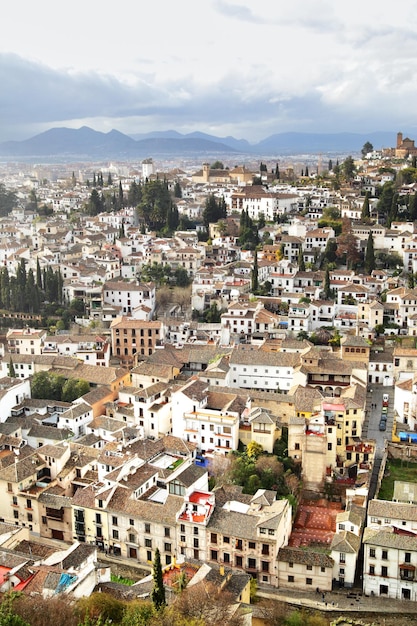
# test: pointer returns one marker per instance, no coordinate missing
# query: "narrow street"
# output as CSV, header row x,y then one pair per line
x,y
371,429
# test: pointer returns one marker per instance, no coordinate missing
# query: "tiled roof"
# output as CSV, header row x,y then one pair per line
x,y
388,539
305,557
392,510
346,542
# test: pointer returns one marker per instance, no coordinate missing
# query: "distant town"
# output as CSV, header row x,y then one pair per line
x,y
210,366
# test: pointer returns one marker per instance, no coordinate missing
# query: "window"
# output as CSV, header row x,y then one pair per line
x,y
98,518
226,539
213,537
407,557
309,581
148,543
342,557
114,520
115,534
251,563
149,555
196,542
323,570
30,517
290,564
383,590
214,555
309,567
16,514
28,504
132,522
372,570
167,532
290,579
384,555
167,547
265,566
252,545
372,553
147,528
15,500
239,561
226,557
384,571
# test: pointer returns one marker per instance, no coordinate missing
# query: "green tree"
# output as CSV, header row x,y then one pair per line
x,y
385,199
412,207
370,254
95,204
217,165
74,388
367,147
109,180
277,174
12,372
328,292
254,273
365,209
301,262
177,190
134,194
348,168
158,592
155,200
7,615
8,200
33,201
214,210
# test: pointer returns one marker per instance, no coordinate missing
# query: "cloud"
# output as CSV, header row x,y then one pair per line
x,y
239,12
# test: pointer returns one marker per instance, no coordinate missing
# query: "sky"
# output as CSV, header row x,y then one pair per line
x,y
244,68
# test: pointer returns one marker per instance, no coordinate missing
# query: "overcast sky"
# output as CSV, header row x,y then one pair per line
x,y
226,67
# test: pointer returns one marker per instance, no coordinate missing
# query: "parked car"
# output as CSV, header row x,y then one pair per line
x,y
383,417
385,409
383,425
385,399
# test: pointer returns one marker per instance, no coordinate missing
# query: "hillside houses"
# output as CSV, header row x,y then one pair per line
x,y
175,393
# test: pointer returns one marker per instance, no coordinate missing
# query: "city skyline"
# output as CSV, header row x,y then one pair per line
x,y
231,68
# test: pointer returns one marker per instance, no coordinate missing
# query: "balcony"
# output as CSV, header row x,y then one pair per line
x,y
55,514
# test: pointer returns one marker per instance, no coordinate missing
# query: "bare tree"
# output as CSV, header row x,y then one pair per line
x,y
210,604
182,297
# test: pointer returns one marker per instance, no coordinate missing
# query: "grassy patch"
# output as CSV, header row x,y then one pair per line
x,y
396,470
121,580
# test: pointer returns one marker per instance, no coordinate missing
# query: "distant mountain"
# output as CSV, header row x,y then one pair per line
x,y
308,143
241,145
86,143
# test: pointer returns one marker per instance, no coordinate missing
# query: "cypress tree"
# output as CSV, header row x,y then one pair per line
x,y
158,592
370,255
254,273
301,262
365,208
12,373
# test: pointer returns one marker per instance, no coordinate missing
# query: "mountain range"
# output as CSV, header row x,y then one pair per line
x,y
85,144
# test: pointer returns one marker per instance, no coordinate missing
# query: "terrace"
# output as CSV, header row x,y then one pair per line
x,y
197,508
